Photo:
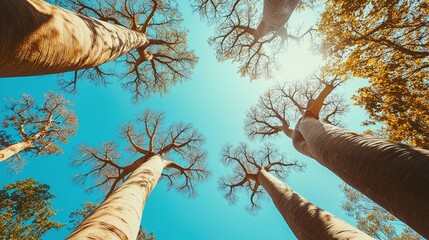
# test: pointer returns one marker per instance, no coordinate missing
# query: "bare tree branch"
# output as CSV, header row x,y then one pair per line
x,y
147,138
41,128
164,61
283,105
246,165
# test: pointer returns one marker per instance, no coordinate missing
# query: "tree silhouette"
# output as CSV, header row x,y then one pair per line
x,y
162,62
128,184
252,169
34,129
247,35
246,164
283,105
392,175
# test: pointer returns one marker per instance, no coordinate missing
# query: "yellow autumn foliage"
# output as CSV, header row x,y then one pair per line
x,y
386,42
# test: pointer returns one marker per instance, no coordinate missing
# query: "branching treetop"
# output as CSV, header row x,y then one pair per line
x,y
43,126
246,164
147,137
282,105
247,35
153,68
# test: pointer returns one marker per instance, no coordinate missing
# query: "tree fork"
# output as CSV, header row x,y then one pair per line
x,y
39,38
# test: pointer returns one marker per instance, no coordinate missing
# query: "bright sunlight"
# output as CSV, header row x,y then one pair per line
x,y
297,62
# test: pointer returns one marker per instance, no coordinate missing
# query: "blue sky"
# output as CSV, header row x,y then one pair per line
x,y
215,101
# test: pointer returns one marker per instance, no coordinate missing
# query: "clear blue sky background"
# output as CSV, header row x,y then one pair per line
x,y
214,100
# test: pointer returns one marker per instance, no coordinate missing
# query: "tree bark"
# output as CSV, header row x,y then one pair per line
x,y
119,216
306,220
13,149
395,176
39,38
275,15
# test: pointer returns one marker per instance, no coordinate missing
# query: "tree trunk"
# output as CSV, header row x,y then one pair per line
x,y
39,38
13,149
306,220
119,216
275,15
395,176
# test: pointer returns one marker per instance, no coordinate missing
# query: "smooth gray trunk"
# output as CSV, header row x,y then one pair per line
x,y
119,216
39,38
395,176
306,220
276,14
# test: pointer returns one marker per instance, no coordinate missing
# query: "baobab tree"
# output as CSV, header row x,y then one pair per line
x,y
267,168
373,219
391,174
39,38
36,129
77,216
163,61
388,45
174,154
247,35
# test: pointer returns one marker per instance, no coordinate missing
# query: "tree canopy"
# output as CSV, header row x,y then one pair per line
x,y
246,164
283,105
147,137
164,61
251,32
26,210
43,126
386,42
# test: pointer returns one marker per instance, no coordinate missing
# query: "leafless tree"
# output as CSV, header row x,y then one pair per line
x,y
247,35
246,164
29,128
162,62
282,106
391,174
268,168
174,154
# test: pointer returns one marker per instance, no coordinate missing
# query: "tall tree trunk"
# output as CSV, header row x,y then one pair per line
x,y
275,15
396,176
39,38
119,216
306,220
13,149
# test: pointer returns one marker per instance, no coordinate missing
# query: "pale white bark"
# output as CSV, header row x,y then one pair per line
x,y
13,149
395,176
276,14
306,220
119,216
39,38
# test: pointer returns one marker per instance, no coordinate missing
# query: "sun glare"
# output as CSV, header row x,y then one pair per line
x,y
296,63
